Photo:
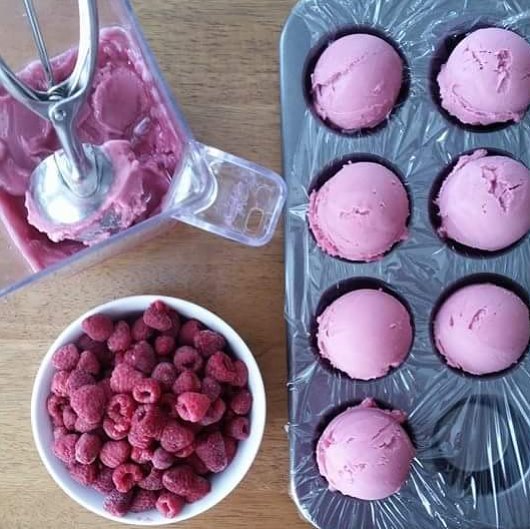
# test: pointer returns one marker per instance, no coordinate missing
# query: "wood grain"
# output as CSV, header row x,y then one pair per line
x,y
220,58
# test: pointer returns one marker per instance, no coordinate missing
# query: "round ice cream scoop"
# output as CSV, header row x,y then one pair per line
x,y
482,329
360,213
365,453
365,333
357,81
487,78
484,203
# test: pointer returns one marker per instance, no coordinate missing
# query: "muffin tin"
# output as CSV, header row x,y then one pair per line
x,y
472,468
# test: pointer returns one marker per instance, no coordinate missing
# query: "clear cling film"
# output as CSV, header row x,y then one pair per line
x,y
472,466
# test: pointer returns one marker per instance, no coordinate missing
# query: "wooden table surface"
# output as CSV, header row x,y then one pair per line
x,y
220,58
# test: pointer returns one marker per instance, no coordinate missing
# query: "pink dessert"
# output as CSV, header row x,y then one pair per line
x,y
482,329
484,203
365,333
124,104
365,453
360,213
487,78
357,81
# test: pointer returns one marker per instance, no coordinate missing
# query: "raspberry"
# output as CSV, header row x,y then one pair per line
x,y
66,357
238,428
116,430
69,418
55,406
180,480
124,378
186,381
175,437
198,466
192,407
164,345
211,388
142,357
104,483
212,451
188,332
153,481
126,476
148,421
105,386
166,374
221,368
140,331
87,448
169,505
121,406
144,500
98,327
120,339
118,503
139,440
156,316
168,404
241,378
84,474
78,379
241,402
187,358
119,358
215,413
208,342
89,403
64,448
60,431
83,426
175,324
147,391
104,356
141,455
89,363
230,448
59,380
115,453
162,459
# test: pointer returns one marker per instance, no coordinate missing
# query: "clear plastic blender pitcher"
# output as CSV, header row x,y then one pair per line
x,y
210,189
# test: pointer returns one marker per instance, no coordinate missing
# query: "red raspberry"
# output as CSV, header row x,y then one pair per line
x,y
69,418
142,357
85,343
162,459
64,448
116,430
141,455
186,381
156,316
212,451
119,358
66,357
208,342
215,413
230,448
124,378
164,345
166,374
120,339
168,405
175,324
87,448
238,428
105,386
186,451
211,388
78,379
176,437
198,466
187,359
144,500
98,327
241,402
139,440
118,503
169,505
188,332
140,331
241,378
180,480
121,406
221,368
89,363
83,426
59,380
55,406
148,421
126,476
104,483
147,391
115,453
153,481
192,407
84,474
89,403
59,431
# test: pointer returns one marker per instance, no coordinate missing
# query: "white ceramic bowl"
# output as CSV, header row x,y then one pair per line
x,y
222,484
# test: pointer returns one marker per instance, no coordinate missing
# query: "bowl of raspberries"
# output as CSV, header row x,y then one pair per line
x,y
148,410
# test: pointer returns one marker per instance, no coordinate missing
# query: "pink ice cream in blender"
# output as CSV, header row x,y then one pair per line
x,y
487,78
365,453
124,114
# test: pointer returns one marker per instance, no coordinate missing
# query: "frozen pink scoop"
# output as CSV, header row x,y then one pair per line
x,y
365,453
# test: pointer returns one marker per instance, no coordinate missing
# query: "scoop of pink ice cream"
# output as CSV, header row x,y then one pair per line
x,y
365,333
487,78
357,81
365,453
485,202
482,329
360,213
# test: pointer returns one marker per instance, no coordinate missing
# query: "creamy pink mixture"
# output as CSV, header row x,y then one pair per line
x,y
124,104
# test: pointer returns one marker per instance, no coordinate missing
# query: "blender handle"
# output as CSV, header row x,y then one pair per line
x,y
227,195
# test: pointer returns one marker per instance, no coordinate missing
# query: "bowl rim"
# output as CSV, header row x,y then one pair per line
x,y
189,310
